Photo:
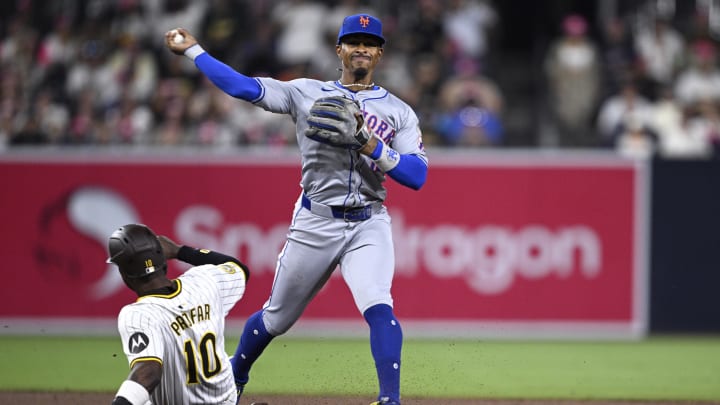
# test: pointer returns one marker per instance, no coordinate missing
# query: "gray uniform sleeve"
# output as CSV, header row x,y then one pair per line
x,y
281,97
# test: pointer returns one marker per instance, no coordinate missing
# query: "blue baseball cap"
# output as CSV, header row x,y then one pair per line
x,y
361,24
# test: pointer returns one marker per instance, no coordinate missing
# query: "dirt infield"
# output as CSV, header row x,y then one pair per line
x,y
72,398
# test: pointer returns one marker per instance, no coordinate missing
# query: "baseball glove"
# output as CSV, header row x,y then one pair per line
x,y
337,121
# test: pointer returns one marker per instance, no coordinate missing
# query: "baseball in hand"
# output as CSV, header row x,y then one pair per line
x,y
177,37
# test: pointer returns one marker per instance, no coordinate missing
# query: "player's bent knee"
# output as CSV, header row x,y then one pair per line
x,y
378,301
275,325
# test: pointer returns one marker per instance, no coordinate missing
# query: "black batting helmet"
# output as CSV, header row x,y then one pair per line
x,y
135,249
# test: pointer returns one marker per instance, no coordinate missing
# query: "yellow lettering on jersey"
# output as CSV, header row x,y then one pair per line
x,y
188,318
181,321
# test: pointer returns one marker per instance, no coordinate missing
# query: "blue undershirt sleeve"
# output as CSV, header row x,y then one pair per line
x,y
411,172
227,79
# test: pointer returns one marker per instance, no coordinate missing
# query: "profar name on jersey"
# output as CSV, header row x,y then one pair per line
x,y
189,318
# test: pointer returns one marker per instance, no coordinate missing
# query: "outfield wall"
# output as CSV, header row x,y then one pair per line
x,y
685,258
497,244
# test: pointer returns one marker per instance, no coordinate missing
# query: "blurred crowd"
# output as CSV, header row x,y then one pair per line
x,y
646,83
96,72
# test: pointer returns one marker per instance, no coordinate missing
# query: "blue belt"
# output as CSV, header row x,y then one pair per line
x,y
352,214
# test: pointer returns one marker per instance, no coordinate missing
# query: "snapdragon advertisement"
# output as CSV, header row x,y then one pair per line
x,y
507,246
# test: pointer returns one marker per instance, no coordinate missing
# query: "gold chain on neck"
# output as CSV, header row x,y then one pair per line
x,y
365,86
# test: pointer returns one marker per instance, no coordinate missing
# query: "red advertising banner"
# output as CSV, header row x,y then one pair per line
x,y
498,244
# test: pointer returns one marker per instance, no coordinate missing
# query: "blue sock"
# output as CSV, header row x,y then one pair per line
x,y
386,345
253,341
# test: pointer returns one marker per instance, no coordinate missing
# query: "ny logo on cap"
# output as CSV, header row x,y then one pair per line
x,y
364,21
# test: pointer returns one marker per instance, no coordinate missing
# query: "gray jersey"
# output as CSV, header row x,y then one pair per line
x,y
184,332
335,176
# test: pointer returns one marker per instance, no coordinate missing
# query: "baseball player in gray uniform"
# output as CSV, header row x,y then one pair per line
x,y
351,133
173,334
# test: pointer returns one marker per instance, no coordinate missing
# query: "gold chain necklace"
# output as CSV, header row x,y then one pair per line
x,y
365,86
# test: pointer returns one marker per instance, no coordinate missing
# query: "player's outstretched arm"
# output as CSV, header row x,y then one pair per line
x,y
223,76
197,257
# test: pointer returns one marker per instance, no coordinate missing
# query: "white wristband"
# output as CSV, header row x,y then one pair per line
x,y
389,158
194,51
135,393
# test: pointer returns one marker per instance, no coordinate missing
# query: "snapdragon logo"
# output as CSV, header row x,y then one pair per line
x,y
489,257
